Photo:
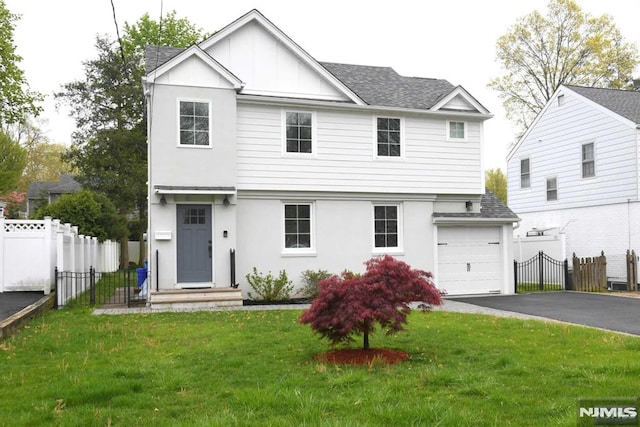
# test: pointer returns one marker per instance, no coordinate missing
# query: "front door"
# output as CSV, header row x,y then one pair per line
x,y
194,243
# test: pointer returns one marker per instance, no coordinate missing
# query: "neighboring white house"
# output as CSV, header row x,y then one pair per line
x,y
575,171
255,146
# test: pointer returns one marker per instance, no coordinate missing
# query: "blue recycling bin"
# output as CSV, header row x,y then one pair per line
x,y
142,276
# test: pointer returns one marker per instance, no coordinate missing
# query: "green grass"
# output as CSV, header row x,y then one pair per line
x,y
105,288
256,368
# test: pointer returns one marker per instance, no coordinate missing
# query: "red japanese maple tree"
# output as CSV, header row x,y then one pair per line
x,y
351,304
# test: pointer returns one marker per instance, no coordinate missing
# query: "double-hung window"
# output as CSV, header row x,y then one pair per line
x,y
525,177
298,227
588,160
299,132
388,137
386,227
552,189
194,121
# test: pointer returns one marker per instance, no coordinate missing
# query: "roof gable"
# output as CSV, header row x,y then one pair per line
x,y
271,63
459,100
193,57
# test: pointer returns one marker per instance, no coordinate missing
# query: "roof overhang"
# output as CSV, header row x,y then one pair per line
x,y
189,189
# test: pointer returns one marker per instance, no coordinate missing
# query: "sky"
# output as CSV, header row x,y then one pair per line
x,y
448,39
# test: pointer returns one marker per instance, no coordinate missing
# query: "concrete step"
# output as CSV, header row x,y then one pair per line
x,y
184,299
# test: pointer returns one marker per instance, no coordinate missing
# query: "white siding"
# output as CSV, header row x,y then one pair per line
x,y
553,146
268,67
344,158
590,230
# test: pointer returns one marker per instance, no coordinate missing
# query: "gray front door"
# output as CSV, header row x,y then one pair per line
x,y
194,243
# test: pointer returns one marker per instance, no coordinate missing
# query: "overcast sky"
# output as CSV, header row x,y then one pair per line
x,y
449,39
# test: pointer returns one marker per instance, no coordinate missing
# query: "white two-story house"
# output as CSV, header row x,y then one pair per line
x,y
261,156
575,173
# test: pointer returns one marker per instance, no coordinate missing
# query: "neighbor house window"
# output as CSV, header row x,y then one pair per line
x,y
552,189
456,131
297,226
525,178
386,226
299,131
588,161
388,131
194,123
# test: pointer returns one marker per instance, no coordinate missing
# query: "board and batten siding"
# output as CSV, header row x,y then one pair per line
x,y
554,149
344,154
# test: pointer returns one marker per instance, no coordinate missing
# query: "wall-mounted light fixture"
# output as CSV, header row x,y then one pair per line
x,y
226,201
163,201
469,205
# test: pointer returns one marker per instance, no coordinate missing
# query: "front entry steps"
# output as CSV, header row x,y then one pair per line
x,y
195,299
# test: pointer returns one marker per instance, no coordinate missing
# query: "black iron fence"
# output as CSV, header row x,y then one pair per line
x,y
541,273
119,288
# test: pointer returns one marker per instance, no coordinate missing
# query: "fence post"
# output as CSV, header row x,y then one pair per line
x,y
2,262
541,270
92,285
515,276
55,281
567,285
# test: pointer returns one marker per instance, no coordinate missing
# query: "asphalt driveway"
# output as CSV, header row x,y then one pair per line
x,y
13,302
615,313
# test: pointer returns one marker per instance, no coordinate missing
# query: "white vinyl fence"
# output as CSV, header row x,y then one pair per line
x,y
30,251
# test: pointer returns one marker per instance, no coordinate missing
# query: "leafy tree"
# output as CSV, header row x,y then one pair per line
x,y
15,202
567,46
496,182
16,100
13,159
110,149
93,213
351,305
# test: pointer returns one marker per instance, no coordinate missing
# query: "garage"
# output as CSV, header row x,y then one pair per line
x,y
469,260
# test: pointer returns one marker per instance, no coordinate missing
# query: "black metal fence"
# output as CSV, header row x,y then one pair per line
x,y
541,273
92,288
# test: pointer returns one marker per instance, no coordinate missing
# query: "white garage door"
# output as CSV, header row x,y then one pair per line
x,y
469,260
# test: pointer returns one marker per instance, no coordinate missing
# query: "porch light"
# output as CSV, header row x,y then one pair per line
x,y
226,201
469,205
163,201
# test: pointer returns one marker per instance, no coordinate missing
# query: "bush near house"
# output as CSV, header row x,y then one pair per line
x,y
310,280
269,288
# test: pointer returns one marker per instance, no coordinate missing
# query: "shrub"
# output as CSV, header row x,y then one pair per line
x,y
310,280
269,288
352,304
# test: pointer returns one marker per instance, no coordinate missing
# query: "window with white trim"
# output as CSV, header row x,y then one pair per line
x,y
552,189
588,160
525,176
457,131
194,123
298,226
299,132
388,137
386,226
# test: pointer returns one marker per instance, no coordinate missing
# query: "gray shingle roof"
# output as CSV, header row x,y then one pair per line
x,y
66,184
626,103
383,86
491,207
155,56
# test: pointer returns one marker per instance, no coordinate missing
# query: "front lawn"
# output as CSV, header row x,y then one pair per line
x,y
256,368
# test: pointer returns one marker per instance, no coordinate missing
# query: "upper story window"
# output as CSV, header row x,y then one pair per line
x,y
552,189
588,160
457,131
388,139
299,132
386,226
195,118
298,226
525,177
